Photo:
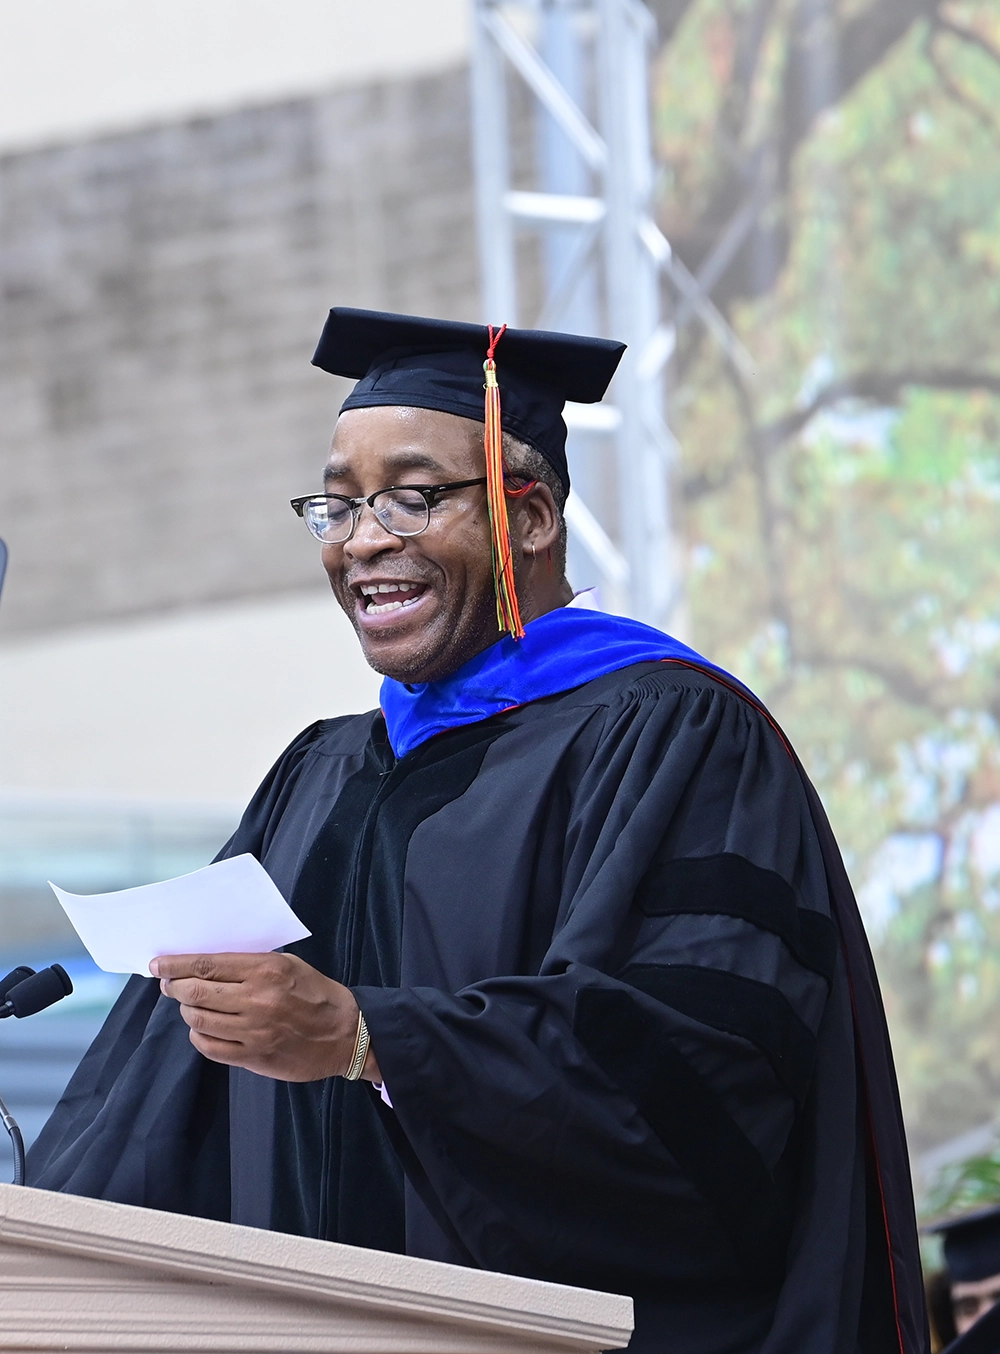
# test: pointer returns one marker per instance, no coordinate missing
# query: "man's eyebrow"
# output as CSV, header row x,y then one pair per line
x,y
395,465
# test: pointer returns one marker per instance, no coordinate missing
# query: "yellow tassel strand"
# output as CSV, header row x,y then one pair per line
x,y
508,612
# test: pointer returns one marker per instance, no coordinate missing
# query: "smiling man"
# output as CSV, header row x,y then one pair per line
x,y
423,601
586,997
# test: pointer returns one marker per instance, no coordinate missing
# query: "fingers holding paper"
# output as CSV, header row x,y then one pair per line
x,y
271,1013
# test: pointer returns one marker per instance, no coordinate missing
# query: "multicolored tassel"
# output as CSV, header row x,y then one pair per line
x,y
508,612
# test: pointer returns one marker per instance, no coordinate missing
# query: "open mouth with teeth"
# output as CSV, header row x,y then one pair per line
x,y
380,598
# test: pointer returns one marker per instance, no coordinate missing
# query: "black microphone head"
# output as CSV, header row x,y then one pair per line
x,y
41,990
64,978
15,976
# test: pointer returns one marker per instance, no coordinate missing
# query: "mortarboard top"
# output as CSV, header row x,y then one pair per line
x,y
971,1244
438,364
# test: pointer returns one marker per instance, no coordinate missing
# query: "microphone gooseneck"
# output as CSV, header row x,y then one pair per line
x,y
16,1141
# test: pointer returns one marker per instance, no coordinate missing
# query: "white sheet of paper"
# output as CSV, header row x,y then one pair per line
x,y
232,906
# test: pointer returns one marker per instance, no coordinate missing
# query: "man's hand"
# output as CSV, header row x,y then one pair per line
x,y
270,1013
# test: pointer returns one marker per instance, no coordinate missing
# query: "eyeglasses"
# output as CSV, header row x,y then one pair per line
x,y
404,510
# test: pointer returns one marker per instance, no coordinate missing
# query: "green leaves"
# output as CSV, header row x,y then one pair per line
x,y
966,1186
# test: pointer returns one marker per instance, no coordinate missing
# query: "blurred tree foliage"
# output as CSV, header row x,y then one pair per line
x,y
965,1187
831,174
959,1189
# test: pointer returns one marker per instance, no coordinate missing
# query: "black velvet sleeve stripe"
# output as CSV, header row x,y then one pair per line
x,y
720,1161
732,886
737,1005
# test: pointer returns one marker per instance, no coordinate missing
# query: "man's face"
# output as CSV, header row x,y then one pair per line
x,y
972,1300
435,607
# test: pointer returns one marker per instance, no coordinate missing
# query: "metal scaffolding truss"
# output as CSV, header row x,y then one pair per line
x,y
583,192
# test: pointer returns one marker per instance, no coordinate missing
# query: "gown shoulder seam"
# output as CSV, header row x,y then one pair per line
x,y
690,676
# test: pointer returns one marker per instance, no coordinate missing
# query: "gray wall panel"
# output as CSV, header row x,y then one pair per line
x,y
160,295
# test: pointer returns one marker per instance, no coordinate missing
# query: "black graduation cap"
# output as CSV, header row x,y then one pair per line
x,y
971,1244
438,364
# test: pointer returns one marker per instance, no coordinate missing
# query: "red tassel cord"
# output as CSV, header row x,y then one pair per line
x,y
508,612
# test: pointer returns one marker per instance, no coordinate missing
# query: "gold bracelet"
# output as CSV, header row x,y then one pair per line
x,y
360,1051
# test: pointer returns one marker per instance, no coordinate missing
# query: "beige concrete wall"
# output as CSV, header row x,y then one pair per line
x,y
160,296
72,69
189,705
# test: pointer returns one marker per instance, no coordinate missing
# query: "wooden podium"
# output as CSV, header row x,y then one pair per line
x,y
77,1274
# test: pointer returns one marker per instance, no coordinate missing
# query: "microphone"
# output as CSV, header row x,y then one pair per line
x,y
25,992
15,976
34,994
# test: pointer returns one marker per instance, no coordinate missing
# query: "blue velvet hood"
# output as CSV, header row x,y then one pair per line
x,y
561,650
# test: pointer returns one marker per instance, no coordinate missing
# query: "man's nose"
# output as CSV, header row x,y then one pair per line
x,y
370,537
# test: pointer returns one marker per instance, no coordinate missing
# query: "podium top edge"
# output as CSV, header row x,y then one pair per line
x,y
329,1271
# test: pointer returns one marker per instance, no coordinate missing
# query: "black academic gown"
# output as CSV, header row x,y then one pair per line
x,y
622,1001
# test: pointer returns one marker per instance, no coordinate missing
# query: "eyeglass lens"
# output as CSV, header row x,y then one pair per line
x,y
404,512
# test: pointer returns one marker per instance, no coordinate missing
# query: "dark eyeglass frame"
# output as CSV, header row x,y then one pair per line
x,y
356,505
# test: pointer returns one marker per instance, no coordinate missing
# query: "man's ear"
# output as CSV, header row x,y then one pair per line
x,y
540,520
